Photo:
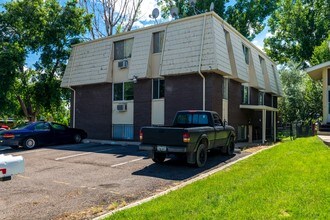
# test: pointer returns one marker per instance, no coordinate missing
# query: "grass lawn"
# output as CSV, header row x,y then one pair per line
x,y
291,180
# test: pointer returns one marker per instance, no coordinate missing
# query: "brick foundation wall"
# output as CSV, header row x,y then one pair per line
x,y
142,105
94,110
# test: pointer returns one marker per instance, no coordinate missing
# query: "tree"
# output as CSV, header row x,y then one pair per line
x,y
49,29
301,100
246,16
321,53
111,16
297,28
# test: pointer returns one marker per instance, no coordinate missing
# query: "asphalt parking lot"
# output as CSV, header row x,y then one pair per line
x,y
83,181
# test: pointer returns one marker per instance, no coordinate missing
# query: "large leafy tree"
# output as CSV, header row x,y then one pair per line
x,y
297,28
301,100
321,53
48,29
247,16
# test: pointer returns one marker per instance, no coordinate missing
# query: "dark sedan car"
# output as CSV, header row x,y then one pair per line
x,y
40,133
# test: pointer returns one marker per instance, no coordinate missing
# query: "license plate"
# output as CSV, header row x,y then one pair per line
x,y
161,148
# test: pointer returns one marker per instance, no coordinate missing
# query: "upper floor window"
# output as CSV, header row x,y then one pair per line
x,y
123,49
261,98
123,91
246,52
158,88
158,39
262,64
245,90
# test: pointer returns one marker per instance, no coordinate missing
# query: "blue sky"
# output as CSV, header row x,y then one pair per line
x,y
147,7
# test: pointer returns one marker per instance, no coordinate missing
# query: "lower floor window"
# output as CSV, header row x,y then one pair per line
x,y
241,133
123,131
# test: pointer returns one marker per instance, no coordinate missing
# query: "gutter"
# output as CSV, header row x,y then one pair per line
x,y
74,107
73,102
200,61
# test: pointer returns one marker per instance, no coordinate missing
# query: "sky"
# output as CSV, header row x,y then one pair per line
x,y
146,10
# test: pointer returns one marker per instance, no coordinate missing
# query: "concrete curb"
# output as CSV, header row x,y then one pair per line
x,y
188,182
111,142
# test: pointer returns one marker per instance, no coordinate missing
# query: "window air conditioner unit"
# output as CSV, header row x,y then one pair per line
x,y
122,64
122,107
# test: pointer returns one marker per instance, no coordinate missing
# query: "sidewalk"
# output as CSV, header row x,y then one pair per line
x,y
325,139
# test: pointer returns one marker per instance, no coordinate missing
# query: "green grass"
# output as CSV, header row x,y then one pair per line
x,y
291,180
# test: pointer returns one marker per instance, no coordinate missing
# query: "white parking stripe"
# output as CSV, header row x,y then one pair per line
x,y
82,154
131,161
29,152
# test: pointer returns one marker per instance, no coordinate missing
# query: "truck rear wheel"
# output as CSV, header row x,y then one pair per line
x,y
201,155
159,157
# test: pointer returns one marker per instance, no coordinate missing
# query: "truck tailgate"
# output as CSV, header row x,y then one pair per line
x,y
163,136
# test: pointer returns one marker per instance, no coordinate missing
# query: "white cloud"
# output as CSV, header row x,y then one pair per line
x,y
258,44
146,9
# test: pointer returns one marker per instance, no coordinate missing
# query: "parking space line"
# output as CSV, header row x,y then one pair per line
x,y
25,177
82,154
60,182
29,152
131,161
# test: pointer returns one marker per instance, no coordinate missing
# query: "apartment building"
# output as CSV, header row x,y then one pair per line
x,y
143,77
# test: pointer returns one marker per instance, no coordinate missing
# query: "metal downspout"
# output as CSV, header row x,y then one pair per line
x,y
74,107
200,62
74,92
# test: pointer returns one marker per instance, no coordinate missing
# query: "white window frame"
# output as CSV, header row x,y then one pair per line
x,y
127,49
158,40
123,92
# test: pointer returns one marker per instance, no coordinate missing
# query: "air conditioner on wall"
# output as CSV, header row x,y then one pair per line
x,y
122,107
122,64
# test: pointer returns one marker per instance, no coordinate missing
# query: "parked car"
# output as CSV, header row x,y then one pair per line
x,y
40,133
192,134
4,127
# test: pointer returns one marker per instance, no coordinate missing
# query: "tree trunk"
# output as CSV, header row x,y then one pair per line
x,y
28,112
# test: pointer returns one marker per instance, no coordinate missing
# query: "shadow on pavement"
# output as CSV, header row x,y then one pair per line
x,y
178,169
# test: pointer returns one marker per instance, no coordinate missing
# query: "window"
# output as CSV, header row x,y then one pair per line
x,y
246,52
261,98
242,133
58,127
262,64
123,91
123,131
158,88
123,49
217,120
245,90
184,119
42,127
225,88
158,39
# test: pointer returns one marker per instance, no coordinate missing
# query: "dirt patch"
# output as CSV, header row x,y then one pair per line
x,y
254,149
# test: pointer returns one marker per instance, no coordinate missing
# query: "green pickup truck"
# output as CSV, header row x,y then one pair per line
x,y
192,134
